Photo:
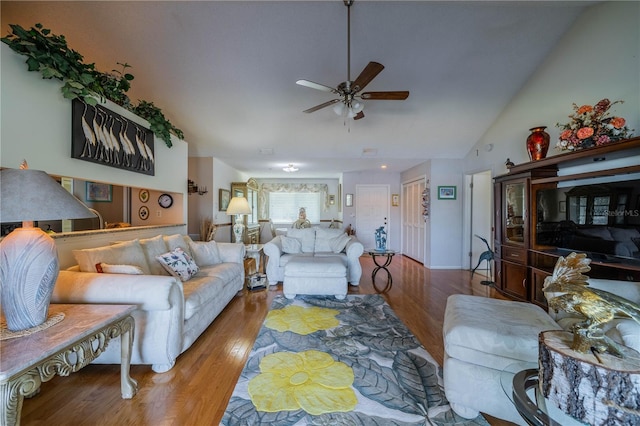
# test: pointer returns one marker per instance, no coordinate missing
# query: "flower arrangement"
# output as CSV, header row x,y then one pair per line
x,y
592,126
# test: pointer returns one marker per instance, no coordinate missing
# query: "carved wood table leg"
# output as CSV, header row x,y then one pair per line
x,y
128,386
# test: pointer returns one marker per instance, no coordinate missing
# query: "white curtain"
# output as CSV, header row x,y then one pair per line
x,y
266,188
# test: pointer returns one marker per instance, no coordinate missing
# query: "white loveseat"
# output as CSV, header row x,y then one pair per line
x,y
484,338
313,242
171,313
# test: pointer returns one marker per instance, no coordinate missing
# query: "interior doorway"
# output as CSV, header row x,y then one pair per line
x,y
372,212
478,218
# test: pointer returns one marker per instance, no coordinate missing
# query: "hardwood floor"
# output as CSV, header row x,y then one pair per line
x,y
197,389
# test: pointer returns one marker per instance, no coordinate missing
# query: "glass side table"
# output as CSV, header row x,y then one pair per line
x,y
388,257
520,383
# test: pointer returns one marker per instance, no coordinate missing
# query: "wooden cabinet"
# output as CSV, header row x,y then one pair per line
x,y
249,190
527,243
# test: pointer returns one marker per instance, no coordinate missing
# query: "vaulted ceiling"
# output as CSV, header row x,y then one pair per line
x,y
225,72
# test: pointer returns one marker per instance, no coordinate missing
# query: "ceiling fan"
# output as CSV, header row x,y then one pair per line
x,y
349,102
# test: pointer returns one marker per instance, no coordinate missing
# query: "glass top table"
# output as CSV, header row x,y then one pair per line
x,y
388,257
520,383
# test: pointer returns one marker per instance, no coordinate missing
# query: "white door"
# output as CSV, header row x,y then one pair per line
x,y
412,220
372,212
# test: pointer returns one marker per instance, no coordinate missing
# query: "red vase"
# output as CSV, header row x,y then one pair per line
x,y
538,143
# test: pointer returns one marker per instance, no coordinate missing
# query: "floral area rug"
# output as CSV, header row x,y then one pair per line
x,y
323,361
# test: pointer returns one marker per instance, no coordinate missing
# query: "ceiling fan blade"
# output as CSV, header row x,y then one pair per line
x,y
326,104
386,96
368,73
359,116
316,86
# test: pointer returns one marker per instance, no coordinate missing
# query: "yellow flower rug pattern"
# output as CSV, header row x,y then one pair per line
x,y
322,361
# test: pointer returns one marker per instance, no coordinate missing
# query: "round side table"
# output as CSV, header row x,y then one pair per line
x,y
388,257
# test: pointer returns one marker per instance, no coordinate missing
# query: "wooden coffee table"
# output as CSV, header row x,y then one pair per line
x,y
62,349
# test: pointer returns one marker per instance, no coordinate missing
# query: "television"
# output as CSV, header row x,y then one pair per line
x,y
600,218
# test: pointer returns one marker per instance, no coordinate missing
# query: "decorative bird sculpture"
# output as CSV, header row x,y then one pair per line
x,y
486,255
597,306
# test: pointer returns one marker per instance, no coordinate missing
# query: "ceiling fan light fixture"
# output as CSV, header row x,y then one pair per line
x,y
357,106
290,168
338,108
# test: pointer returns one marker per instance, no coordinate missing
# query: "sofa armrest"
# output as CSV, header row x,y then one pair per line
x,y
149,292
231,252
273,248
354,248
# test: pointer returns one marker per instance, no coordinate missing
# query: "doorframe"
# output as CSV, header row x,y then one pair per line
x,y
467,231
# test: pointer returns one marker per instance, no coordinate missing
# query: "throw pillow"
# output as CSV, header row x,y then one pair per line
x,y
153,247
126,253
205,253
179,264
338,243
306,236
291,245
178,240
105,268
324,237
630,332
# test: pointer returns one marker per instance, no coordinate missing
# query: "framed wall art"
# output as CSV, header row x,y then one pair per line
x,y
98,192
446,193
101,136
143,195
348,200
224,196
395,200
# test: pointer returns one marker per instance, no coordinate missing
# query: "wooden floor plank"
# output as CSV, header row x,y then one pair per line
x,y
196,391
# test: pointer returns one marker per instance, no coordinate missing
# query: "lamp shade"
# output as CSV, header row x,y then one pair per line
x,y
31,195
238,205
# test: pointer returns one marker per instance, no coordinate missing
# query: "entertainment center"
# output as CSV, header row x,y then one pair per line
x,y
584,201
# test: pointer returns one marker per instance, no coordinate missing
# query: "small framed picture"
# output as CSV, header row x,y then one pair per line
x,y
446,193
395,200
143,195
348,200
99,192
224,196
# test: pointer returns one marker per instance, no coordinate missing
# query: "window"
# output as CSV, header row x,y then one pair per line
x,y
285,206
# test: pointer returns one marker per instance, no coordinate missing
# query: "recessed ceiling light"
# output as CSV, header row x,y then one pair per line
x,y
384,166
290,168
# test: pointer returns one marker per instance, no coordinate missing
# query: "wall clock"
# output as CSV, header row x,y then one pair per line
x,y
165,201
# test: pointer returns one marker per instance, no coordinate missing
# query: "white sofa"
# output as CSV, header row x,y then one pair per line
x,y
484,336
171,313
313,242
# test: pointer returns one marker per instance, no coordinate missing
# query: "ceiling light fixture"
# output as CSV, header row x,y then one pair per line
x,y
290,168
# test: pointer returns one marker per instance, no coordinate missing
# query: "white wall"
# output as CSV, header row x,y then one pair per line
x,y
599,57
36,126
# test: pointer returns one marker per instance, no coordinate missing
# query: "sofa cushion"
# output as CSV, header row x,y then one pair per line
x,y
630,333
153,247
178,240
125,253
205,253
198,291
179,264
307,237
291,245
226,271
337,244
324,239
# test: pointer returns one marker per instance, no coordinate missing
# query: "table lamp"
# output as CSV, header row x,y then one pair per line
x,y
29,263
238,206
